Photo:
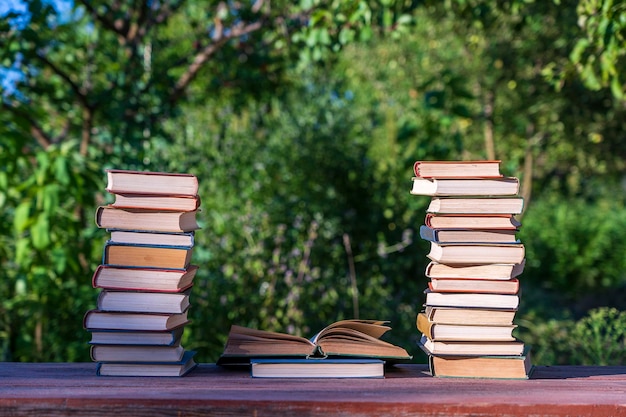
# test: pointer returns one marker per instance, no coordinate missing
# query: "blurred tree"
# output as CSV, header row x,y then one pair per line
x,y
599,56
320,225
91,88
132,62
514,47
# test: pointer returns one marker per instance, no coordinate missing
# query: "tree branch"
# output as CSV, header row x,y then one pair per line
x,y
205,53
81,95
35,130
107,23
166,11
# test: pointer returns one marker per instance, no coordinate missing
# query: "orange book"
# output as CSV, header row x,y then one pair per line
x,y
492,367
487,286
463,332
472,221
470,315
147,256
474,271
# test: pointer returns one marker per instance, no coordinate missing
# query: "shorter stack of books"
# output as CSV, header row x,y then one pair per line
x,y
344,349
146,275
467,324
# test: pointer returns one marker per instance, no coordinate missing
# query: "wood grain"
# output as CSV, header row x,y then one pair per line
x,y
73,389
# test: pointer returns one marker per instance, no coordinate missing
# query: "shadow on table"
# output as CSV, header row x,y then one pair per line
x,y
575,371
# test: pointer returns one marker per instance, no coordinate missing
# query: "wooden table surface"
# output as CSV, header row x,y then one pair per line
x,y
73,389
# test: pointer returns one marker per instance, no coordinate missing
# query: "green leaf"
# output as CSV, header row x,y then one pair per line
x,y
405,19
579,48
366,34
387,18
59,259
617,88
43,160
323,37
40,232
22,252
61,172
4,181
21,217
590,78
346,36
50,199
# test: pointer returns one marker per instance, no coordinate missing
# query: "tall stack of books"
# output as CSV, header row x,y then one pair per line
x,y
475,257
146,275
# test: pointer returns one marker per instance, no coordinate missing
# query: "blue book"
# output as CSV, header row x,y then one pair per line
x,y
148,368
317,368
144,237
136,337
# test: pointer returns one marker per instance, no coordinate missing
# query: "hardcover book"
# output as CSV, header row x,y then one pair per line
x,y
129,353
157,202
506,186
476,205
485,286
144,279
317,368
484,271
144,256
485,366
462,332
143,301
472,300
146,182
136,337
149,237
468,253
109,217
346,338
467,348
148,368
468,235
457,169
470,316
472,221
101,320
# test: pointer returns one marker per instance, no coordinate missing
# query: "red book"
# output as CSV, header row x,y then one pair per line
x,y
109,217
143,279
157,202
457,169
146,182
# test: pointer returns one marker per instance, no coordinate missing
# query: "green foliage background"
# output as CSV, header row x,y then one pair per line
x,y
303,134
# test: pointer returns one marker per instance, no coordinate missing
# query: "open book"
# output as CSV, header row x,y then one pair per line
x,y
346,338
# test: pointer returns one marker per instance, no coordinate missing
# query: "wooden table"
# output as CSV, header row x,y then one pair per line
x,y
73,389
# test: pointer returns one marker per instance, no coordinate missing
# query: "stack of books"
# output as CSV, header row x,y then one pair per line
x,y
475,257
146,275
